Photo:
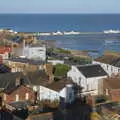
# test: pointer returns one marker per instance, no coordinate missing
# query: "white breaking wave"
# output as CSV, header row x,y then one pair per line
x,y
111,31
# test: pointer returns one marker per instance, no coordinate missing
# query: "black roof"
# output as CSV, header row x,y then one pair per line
x,y
92,70
8,80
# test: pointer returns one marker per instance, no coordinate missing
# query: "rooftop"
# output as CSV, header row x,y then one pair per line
x,y
25,60
8,80
110,59
60,84
92,70
37,45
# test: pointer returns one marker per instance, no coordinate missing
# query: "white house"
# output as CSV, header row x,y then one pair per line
x,y
35,52
87,76
110,69
56,90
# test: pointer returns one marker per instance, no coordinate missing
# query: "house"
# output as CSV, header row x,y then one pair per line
x,y
35,51
4,53
110,62
110,86
109,68
47,89
19,93
22,64
9,81
87,76
30,79
59,89
43,87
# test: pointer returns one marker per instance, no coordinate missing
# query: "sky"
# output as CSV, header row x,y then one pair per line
x,y
59,6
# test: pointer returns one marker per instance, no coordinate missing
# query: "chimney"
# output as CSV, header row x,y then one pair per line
x,y
49,71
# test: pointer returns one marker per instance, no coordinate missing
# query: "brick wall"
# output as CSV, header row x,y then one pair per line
x,y
115,94
21,92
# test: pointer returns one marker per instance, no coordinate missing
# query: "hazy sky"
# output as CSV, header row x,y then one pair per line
x,y
59,6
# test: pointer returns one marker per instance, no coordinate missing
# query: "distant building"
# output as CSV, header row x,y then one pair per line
x,y
35,52
24,64
88,77
4,53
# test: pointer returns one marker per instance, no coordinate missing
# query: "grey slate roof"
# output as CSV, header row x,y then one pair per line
x,y
7,80
92,70
38,78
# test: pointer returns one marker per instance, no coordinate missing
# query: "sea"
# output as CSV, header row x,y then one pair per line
x,y
95,43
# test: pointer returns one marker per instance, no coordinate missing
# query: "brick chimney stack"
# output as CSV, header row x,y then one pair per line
x,y
49,71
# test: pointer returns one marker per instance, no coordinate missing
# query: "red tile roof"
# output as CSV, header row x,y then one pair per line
x,y
4,49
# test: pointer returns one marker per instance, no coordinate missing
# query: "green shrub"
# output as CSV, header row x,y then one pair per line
x,y
80,60
60,70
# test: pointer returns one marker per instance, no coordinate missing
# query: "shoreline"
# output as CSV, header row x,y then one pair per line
x,y
60,33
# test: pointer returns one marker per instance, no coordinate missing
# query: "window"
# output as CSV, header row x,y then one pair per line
x,y
17,97
4,96
26,96
106,92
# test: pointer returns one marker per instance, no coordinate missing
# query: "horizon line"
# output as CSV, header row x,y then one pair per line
x,y
54,13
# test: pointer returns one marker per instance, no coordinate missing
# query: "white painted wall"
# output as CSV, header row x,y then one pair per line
x,y
68,93
93,84
35,52
88,84
108,68
45,93
76,76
